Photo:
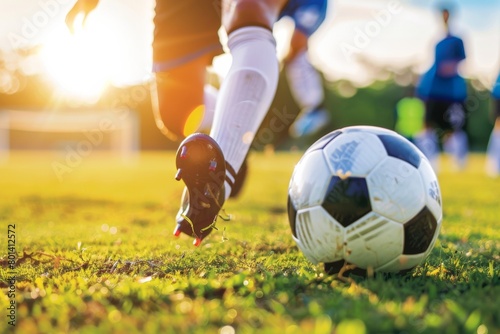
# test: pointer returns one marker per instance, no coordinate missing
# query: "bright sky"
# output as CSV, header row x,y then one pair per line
x,y
390,33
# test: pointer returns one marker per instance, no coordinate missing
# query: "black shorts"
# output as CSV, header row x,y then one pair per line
x,y
445,115
185,30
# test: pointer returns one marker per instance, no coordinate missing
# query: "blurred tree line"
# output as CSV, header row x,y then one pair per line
x,y
372,105
23,88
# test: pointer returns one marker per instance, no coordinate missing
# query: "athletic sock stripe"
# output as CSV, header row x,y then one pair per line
x,y
231,170
230,178
229,181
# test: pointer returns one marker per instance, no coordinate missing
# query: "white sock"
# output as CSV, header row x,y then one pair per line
x,y
245,94
458,146
493,154
427,142
305,82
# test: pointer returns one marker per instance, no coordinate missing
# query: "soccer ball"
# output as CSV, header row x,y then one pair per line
x,y
367,197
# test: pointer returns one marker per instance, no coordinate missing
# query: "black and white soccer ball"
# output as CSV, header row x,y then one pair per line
x,y
367,197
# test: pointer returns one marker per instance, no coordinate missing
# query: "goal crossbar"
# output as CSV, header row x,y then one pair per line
x,y
123,127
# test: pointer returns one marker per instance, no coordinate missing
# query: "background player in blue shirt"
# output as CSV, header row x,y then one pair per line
x,y
444,92
185,42
493,152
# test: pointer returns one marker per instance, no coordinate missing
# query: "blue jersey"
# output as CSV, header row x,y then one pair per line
x,y
439,85
308,15
496,89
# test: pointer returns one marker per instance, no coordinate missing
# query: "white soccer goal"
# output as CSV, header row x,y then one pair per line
x,y
85,131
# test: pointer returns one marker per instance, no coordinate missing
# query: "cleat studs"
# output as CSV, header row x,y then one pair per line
x,y
177,231
178,175
183,154
197,242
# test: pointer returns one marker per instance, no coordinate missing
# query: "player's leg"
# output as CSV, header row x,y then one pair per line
x,y
428,140
304,80
243,100
456,142
249,87
306,86
493,150
457,145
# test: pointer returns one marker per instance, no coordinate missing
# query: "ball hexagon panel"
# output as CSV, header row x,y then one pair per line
x,y
420,232
347,200
323,141
400,148
319,236
373,241
354,154
306,191
396,190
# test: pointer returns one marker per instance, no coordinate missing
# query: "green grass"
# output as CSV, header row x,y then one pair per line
x,y
97,255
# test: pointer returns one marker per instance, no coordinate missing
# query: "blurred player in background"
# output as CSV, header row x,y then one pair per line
x,y
185,42
444,92
493,151
305,82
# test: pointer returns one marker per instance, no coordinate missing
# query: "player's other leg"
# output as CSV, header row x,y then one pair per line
x,y
178,106
185,41
428,140
178,98
456,142
304,80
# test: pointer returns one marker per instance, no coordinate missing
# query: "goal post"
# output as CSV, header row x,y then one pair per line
x,y
114,131
4,136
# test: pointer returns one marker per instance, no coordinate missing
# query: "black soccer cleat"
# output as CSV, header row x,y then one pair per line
x,y
201,165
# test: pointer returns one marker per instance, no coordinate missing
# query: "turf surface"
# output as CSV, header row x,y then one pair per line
x,y
96,255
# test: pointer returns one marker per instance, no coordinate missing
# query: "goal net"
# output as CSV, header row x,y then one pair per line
x,y
80,132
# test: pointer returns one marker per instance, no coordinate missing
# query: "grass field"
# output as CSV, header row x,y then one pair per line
x,y
96,255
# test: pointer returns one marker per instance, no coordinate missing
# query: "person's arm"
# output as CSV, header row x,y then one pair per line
x,y
83,7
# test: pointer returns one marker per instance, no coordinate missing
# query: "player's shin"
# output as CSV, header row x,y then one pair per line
x,y
246,93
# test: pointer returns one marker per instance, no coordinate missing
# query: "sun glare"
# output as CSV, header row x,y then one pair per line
x,y
81,65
